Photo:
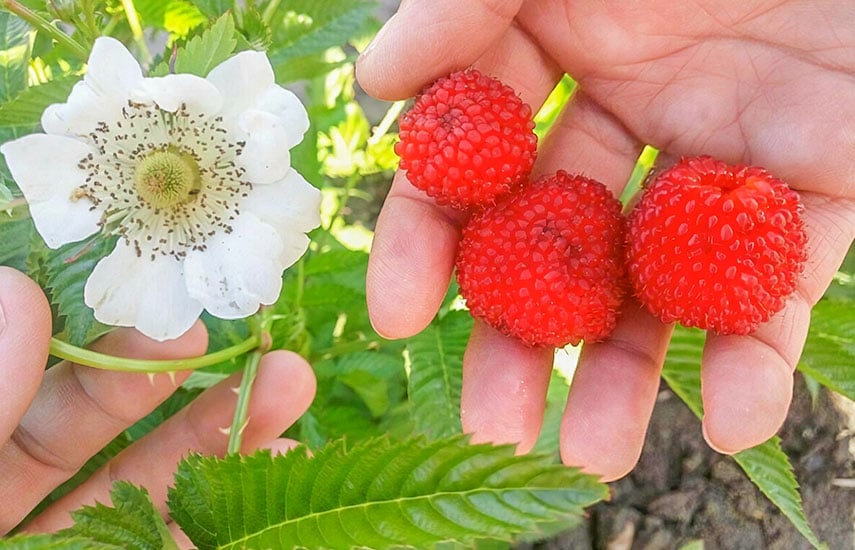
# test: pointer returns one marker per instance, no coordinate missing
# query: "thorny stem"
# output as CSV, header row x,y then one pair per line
x,y
250,370
44,25
64,350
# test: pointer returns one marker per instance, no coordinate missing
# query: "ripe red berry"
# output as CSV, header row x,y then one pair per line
x,y
546,264
467,140
716,246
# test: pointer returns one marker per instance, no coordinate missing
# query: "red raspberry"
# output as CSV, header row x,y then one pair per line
x,y
716,246
467,140
546,265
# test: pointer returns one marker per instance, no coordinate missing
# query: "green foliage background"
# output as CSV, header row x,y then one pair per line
x,y
389,466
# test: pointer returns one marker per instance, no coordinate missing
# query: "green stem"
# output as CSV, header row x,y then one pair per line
x,y
237,13
386,123
90,358
13,204
136,29
44,25
270,11
242,408
250,370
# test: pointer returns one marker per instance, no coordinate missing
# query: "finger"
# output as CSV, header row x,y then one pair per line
x,y
283,391
427,39
612,396
77,411
25,328
412,256
747,381
504,388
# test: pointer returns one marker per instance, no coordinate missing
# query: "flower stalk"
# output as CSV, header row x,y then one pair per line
x,y
45,26
250,371
89,358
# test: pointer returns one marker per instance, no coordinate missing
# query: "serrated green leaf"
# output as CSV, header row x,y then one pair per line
x,y
377,494
212,8
204,52
829,354
682,369
766,465
26,109
14,55
15,239
435,374
53,542
133,523
770,470
304,28
68,268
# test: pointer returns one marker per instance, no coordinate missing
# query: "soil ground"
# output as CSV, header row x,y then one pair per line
x,y
682,491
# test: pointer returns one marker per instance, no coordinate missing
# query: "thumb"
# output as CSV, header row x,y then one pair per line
x,y
25,329
429,38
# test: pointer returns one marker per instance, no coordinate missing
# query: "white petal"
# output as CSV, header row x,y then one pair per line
x,y
238,271
242,80
82,112
265,157
150,295
172,91
112,70
292,207
287,106
112,77
45,169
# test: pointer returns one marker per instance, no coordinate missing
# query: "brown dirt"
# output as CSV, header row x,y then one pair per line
x,y
682,491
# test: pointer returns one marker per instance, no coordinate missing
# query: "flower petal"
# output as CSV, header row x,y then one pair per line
x,y
150,295
48,186
287,106
172,91
111,69
238,271
112,77
265,157
292,207
242,80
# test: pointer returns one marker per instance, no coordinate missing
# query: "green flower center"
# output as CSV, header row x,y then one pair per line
x,y
167,178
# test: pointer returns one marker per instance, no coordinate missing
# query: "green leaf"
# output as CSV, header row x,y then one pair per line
x,y
26,109
133,524
766,465
14,55
770,470
435,373
307,27
682,368
15,239
178,17
829,354
53,542
204,52
377,494
212,8
68,269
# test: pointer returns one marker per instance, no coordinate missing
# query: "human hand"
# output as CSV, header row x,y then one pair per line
x,y
52,421
766,83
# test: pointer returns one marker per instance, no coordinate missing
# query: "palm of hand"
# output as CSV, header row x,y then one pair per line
x,y
768,83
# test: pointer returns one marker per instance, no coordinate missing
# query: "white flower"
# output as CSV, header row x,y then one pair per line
x,y
192,173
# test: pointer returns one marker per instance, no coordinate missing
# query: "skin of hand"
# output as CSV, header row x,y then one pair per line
x,y
764,82
52,421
